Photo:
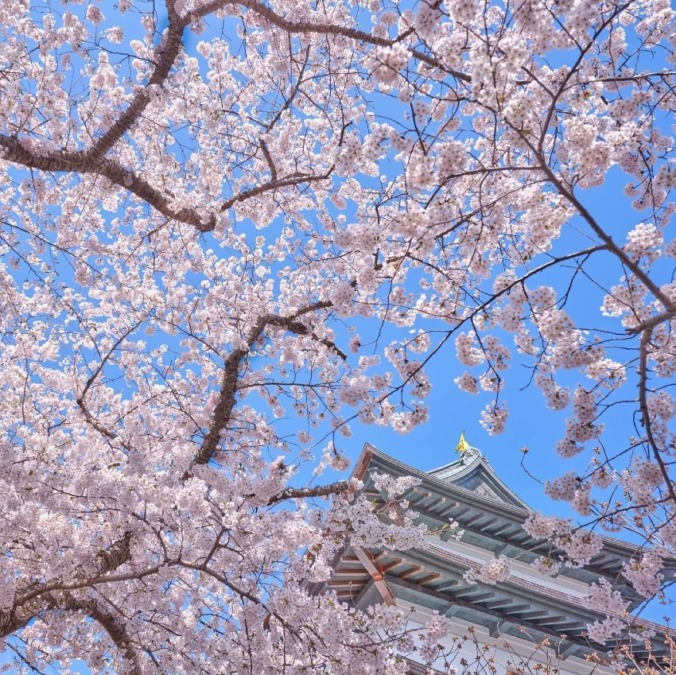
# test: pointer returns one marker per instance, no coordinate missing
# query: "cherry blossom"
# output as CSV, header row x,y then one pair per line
x,y
233,230
491,572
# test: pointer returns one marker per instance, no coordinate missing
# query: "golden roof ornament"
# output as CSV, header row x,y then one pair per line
x,y
463,446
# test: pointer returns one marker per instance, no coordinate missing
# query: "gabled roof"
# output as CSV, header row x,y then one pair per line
x,y
373,460
472,471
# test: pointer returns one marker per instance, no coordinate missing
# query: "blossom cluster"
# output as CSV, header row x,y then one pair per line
x,y
579,545
645,574
603,598
492,572
390,61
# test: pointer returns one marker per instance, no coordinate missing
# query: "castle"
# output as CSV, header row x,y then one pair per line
x,y
528,621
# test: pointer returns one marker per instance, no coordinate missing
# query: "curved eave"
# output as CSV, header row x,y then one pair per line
x,y
370,455
490,524
434,578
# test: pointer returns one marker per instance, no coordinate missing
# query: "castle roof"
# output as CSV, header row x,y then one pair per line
x,y
467,495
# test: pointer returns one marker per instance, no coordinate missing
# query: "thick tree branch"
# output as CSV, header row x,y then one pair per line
x,y
166,57
268,159
80,162
94,160
33,600
226,400
113,624
267,187
301,329
652,322
333,29
303,493
12,621
114,556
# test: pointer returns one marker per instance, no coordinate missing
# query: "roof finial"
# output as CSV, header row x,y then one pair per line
x,y
463,446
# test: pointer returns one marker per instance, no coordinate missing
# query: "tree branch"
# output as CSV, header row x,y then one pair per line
x,y
267,187
32,601
332,29
645,412
303,493
268,159
570,196
170,49
301,329
79,162
92,378
226,400
652,322
113,625
114,556
93,160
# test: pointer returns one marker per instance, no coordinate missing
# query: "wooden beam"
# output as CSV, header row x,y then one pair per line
x,y
552,620
494,629
346,583
447,585
536,614
568,649
473,519
395,563
429,577
482,596
515,609
414,570
369,595
462,592
500,529
377,575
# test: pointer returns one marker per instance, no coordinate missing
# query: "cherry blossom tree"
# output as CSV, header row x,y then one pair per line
x,y
232,228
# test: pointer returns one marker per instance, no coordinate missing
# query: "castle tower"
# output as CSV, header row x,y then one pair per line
x,y
511,617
